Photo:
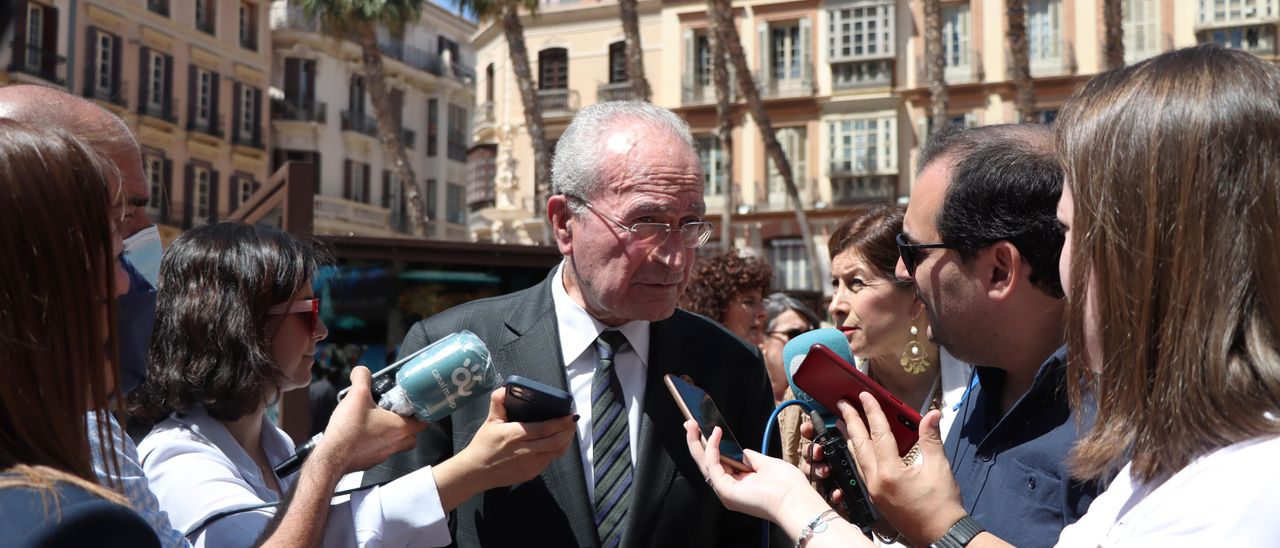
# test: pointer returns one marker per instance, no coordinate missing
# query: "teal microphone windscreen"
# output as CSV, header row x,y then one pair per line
x,y
793,355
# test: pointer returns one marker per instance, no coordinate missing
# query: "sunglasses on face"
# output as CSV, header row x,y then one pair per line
x,y
791,333
911,252
309,307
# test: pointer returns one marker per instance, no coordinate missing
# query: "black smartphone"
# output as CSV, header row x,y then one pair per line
x,y
531,401
695,404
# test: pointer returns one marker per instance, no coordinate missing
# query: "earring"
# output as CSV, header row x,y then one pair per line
x,y
914,359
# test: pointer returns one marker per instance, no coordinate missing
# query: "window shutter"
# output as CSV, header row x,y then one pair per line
x,y
20,33
117,63
166,191
346,179
763,70
48,60
257,117
233,196
385,198
690,63
213,197
193,86
310,81
91,56
806,54
214,121
168,86
365,184
144,76
236,91
291,72
188,195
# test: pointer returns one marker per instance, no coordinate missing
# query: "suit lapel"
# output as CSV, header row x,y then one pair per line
x,y
534,353
654,469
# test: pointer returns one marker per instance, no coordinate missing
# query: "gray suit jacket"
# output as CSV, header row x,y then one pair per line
x,y
671,504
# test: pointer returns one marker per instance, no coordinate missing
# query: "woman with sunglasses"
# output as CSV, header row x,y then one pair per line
x,y
236,325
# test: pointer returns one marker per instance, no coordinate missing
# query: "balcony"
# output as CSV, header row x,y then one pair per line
x,y
787,87
705,94
617,91
558,102
44,64
298,111
252,140
1255,39
849,190
335,215
1059,63
969,72
1213,15
211,126
359,122
861,74
482,167
249,39
163,111
483,117
283,16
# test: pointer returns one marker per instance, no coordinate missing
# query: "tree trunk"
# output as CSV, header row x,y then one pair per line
x,y
724,121
635,55
1113,42
388,126
935,65
747,86
1019,60
514,31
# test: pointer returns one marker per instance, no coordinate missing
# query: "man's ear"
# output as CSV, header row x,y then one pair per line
x,y
561,218
1001,269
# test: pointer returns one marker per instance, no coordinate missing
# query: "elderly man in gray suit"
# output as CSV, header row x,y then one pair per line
x,y
627,213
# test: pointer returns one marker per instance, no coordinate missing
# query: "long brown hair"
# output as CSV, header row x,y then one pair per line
x,y
1174,164
55,301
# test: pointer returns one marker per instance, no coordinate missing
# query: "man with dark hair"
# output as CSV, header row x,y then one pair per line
x,y
981,243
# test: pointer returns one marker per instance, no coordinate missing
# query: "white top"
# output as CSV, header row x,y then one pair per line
x,y
1230,497
131,480
196,469
578,333
957,376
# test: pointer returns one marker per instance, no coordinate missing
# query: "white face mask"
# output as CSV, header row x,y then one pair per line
x,y
144,252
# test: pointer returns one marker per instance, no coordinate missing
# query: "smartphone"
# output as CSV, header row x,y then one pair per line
x,y
826,377
531,401
697,405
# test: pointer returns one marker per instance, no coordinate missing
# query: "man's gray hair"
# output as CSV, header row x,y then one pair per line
x,y
578,169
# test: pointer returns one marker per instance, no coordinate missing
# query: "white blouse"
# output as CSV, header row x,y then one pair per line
x,y
197,469
1230,497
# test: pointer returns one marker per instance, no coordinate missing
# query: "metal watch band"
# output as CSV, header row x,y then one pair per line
x,y
959,535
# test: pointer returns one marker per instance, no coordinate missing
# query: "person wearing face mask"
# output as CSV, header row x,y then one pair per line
x,y
111,140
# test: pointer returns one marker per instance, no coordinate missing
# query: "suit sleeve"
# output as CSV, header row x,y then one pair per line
x,y
435,444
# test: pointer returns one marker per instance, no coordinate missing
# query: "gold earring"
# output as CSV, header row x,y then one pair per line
x,y
914,359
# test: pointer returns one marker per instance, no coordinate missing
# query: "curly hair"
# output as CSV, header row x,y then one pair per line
x,y
718,279
212,345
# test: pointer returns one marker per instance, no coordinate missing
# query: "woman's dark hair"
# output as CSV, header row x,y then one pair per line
x,y
871,231
1174,170
211,344
57,306
781,302
719,278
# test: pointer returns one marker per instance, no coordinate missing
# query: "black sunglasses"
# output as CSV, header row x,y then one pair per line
x,y
911,252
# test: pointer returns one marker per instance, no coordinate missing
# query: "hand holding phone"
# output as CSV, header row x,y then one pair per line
x,y
826,377
531,401
695,404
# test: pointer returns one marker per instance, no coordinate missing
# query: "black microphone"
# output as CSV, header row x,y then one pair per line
x,y
428,384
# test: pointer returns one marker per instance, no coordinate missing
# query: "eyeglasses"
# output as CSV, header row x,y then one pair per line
x,y
752,303
791,333
310,307
911,252
655,234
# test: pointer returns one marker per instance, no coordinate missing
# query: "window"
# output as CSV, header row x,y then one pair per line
x,y
247,125
553,68
249,26
206,13
1043,21
105,63
431,200
863,146
481,171
457,135
359,187
1257,39
617,62
713,168
1141,29
1236,11
861,32
790,266
155,174
355,95
705,62
455,205
445,45
794,145
158,6
156,80
433,125
956,55
784,45
204,97
390,187
202,199
245,187
35,35
488,83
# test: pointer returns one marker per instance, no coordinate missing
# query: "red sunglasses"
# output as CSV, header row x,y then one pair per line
x,y
310,307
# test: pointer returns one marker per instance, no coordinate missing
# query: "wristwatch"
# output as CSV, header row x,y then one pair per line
x,y
959,535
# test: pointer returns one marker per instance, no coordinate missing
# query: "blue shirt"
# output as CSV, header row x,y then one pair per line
x,y
1012,469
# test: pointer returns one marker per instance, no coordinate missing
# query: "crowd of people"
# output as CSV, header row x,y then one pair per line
x,y
1042,301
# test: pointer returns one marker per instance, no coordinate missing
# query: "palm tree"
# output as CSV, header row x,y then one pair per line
x,y
1020,59
359,20
935,65
1113,39
508,12
635,56
724,124
722,22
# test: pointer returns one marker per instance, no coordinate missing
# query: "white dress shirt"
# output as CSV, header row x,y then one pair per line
x,y
197,469
1230,497
578,333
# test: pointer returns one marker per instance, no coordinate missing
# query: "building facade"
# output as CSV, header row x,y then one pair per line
x,y
190,79
322,112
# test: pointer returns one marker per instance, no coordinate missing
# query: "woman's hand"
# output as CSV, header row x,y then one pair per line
x,y
502,453
760,493
360,434
922,500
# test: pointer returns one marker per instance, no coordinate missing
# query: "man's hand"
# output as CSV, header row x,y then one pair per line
x,y
502,453
361,434
922,500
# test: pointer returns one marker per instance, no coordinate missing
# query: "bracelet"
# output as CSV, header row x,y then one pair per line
x,y
815,525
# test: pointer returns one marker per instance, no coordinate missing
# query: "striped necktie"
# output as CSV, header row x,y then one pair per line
x,y
611,455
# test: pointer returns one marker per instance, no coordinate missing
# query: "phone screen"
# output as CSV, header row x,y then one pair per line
x,y
697,404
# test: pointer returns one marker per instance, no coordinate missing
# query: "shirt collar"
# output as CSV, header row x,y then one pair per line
x,y
579,330
274,443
